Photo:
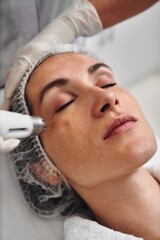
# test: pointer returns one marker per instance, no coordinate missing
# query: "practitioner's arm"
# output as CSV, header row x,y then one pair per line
x,y
112,12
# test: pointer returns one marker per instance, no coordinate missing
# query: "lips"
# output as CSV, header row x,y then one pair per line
x,y
119,125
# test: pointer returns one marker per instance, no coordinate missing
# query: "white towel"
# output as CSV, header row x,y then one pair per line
x,y
78,228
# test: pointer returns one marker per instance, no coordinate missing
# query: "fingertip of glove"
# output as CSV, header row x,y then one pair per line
x,y
8,145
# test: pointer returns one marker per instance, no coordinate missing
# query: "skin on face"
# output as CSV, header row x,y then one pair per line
x,y
79,104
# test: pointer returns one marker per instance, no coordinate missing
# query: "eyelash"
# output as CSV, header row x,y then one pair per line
x,y
109,85
68,103
64,106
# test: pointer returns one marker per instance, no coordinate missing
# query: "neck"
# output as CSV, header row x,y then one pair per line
x,y
130,204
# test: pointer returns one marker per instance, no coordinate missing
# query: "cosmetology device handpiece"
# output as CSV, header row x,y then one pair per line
x,y
17,125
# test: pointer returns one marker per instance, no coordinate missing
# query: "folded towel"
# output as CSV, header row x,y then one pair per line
x,y
78,228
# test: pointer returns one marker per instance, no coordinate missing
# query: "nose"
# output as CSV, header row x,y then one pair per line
x,y
105,100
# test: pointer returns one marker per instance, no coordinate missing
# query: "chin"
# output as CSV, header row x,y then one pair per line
x,y
143,150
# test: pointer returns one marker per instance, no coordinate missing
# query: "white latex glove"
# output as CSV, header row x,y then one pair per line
x,y
80,20
8,145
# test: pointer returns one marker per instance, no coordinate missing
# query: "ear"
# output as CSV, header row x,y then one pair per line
x,y
47,172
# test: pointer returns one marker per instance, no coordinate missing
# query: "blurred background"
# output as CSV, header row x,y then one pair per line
x,y
132,49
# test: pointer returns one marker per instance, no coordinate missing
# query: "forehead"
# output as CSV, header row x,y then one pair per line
x,y
61,64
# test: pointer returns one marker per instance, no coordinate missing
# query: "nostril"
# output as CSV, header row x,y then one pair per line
x,y
116,102
105,107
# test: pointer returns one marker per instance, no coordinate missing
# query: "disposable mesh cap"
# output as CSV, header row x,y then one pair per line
x,y
44,198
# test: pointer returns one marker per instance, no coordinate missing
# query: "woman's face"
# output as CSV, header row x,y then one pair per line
x,y
95,129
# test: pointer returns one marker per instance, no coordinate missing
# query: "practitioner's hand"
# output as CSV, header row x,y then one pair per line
x,y
8,145
80,20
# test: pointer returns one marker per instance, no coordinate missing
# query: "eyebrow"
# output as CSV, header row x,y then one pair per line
x,y
93,68
55,83
62,81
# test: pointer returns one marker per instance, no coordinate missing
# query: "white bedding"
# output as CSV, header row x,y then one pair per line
x,y
17,221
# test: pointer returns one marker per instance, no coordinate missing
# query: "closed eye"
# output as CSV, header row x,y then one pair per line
x,y
64,106
109,85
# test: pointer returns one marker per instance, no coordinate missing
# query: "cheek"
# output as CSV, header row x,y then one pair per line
x,y
71,148
129,105
63,141
127,100
141,145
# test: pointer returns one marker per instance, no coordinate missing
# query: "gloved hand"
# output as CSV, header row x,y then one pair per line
x,y
80,20
8,145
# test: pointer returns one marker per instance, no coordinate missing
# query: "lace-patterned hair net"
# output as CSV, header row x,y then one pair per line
x,y
44,198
